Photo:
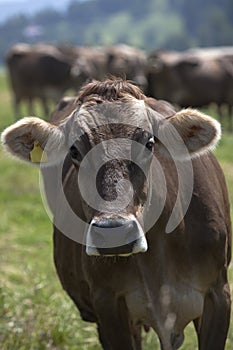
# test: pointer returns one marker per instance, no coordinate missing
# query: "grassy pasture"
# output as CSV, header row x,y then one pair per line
x,y
35,313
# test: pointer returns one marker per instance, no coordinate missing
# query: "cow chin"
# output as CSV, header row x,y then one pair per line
x,y
115,237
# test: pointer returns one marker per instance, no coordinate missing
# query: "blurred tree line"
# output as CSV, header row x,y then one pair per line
x,y
147,24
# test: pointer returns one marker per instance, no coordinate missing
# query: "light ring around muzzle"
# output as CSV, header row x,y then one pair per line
x,y
126,239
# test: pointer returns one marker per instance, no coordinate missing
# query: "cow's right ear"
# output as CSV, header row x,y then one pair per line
x,y
35,141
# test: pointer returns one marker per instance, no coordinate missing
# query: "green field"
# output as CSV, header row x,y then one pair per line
x,y
35,313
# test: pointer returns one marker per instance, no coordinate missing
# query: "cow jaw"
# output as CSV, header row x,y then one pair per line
x,y
123,240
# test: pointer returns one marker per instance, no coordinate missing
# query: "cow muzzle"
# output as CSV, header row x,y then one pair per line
x,y
111,237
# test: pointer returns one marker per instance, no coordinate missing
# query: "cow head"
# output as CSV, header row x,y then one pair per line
x,y
112,137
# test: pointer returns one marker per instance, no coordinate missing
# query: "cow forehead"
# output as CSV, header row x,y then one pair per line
x,y
87,119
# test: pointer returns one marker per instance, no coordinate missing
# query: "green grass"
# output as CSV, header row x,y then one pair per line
x,y
35,313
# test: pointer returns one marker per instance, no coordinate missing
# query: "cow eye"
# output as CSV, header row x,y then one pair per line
x,y
75,154
150,144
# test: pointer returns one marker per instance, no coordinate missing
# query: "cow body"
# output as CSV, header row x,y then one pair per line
x,y
172,284
127,62
45,72
193,78
159,280
123,61
40,72
186,78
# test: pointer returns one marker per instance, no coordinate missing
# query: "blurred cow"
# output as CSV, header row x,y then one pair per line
x,y
128,62
45,71
41,72
193,78
101,62
93,60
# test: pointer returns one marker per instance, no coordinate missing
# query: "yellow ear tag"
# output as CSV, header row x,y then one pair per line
x,y
37,155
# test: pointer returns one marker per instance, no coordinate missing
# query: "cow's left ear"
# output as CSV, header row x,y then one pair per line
x,y
197,131
35,141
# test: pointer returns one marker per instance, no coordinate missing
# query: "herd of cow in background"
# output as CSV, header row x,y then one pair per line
x,y
193,78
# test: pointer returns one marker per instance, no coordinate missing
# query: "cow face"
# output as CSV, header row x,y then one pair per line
x,y
112,145
116,151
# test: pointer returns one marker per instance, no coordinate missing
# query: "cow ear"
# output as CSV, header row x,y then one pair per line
x,y
34,140
189,133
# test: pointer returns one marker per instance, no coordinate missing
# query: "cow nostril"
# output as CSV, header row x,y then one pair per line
x,y
115,237
111,223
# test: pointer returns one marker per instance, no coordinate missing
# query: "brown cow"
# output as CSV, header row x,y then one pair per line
x,y
123,61
41,72
112,249
129,62
192,78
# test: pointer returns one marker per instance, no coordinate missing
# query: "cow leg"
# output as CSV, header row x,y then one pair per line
x,y
137,337
113,322
16,107
213,326
45,106
102,339
30,106
230,116
220,113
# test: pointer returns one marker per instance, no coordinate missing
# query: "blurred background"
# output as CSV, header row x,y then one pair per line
x,y
148,24
177,50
